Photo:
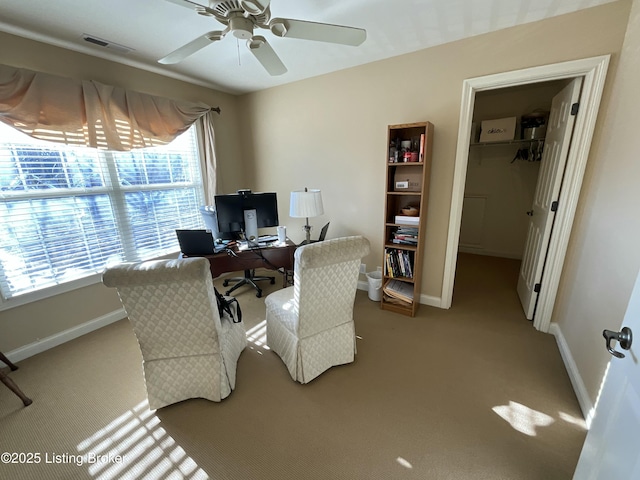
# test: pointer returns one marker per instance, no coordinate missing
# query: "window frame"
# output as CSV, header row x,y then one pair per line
x,y
111,188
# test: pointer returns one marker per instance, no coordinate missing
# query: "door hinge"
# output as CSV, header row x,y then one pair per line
x,y
574,108
554,206
536,288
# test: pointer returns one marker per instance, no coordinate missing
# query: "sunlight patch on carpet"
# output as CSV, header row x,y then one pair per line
x,y
258,335
134,445
522,418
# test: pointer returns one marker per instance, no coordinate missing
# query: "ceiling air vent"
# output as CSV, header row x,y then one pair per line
x,y
106,43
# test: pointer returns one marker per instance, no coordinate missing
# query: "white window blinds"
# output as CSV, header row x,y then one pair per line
x,y
66,212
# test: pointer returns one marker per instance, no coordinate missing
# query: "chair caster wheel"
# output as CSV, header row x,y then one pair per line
x,y
225,283
259,294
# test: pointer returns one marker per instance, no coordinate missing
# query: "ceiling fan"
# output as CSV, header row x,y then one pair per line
x,y
241,17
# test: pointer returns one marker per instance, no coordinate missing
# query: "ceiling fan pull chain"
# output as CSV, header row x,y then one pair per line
x,y
238,47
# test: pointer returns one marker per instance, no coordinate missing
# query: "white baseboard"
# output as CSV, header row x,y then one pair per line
x,y
586,405
431,301
44,344
59,338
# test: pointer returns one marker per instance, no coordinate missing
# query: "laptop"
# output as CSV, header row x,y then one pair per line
x,y
196,242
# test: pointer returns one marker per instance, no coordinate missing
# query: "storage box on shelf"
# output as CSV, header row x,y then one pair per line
x,y
407,185
498,130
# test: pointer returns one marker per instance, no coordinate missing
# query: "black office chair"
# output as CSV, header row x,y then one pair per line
x,y
248,279
323,235
323,232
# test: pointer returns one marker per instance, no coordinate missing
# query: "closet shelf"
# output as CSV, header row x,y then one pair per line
x,y
507,142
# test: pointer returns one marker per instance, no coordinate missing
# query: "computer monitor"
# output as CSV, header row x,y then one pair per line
x,y
231,208
230,216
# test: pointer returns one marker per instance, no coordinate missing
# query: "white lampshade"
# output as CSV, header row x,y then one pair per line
x,y
306,204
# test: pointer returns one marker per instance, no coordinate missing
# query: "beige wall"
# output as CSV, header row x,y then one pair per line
x,y
24,325
604,257
329,132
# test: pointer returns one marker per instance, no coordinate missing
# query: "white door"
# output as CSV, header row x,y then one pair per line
x,y
613,442
554,159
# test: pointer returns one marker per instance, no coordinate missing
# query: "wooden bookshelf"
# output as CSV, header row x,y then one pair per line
x,y
407,184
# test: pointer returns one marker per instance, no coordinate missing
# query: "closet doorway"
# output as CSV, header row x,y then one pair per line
x,y
592,73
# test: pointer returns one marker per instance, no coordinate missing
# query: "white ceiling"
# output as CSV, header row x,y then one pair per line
x,y
154,28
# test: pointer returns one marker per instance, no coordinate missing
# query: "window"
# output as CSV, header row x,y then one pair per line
x,y
66,212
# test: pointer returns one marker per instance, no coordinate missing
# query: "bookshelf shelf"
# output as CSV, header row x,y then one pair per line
x,y
407,184
401,164
401,194
410,248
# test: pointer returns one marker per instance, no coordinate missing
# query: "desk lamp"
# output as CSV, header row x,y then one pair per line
x,y
305,204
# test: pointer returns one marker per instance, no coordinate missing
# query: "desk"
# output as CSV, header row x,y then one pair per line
x,y
272,257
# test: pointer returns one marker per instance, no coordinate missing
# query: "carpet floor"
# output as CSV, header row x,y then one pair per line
x,y
473,392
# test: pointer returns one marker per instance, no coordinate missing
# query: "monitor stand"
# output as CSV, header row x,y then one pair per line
x,y
251,226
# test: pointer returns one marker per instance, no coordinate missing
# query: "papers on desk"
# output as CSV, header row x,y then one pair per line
x,y
244,245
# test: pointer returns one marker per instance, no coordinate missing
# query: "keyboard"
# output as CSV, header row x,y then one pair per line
x,y
268,238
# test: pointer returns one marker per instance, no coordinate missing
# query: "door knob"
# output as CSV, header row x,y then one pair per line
x,y
530,213
624,338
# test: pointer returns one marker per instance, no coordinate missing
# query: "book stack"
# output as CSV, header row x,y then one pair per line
x,y
398,291
398,263
405,236
406,220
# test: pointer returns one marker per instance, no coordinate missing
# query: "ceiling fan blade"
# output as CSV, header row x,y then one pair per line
x,y
201,9
254,7
192,47
266,55
320,32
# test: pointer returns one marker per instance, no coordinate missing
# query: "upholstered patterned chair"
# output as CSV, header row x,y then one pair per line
x,y
310,325
188,351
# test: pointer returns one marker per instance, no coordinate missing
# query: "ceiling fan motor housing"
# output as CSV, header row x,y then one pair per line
x,y
242,17
241,27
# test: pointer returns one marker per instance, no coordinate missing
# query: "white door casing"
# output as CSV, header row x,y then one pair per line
x,y
611,448
593,71
554,158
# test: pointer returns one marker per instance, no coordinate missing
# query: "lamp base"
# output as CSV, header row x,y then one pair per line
x,y
307,230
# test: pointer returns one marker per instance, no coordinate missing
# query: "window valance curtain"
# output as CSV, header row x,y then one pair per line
x,y
88,113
